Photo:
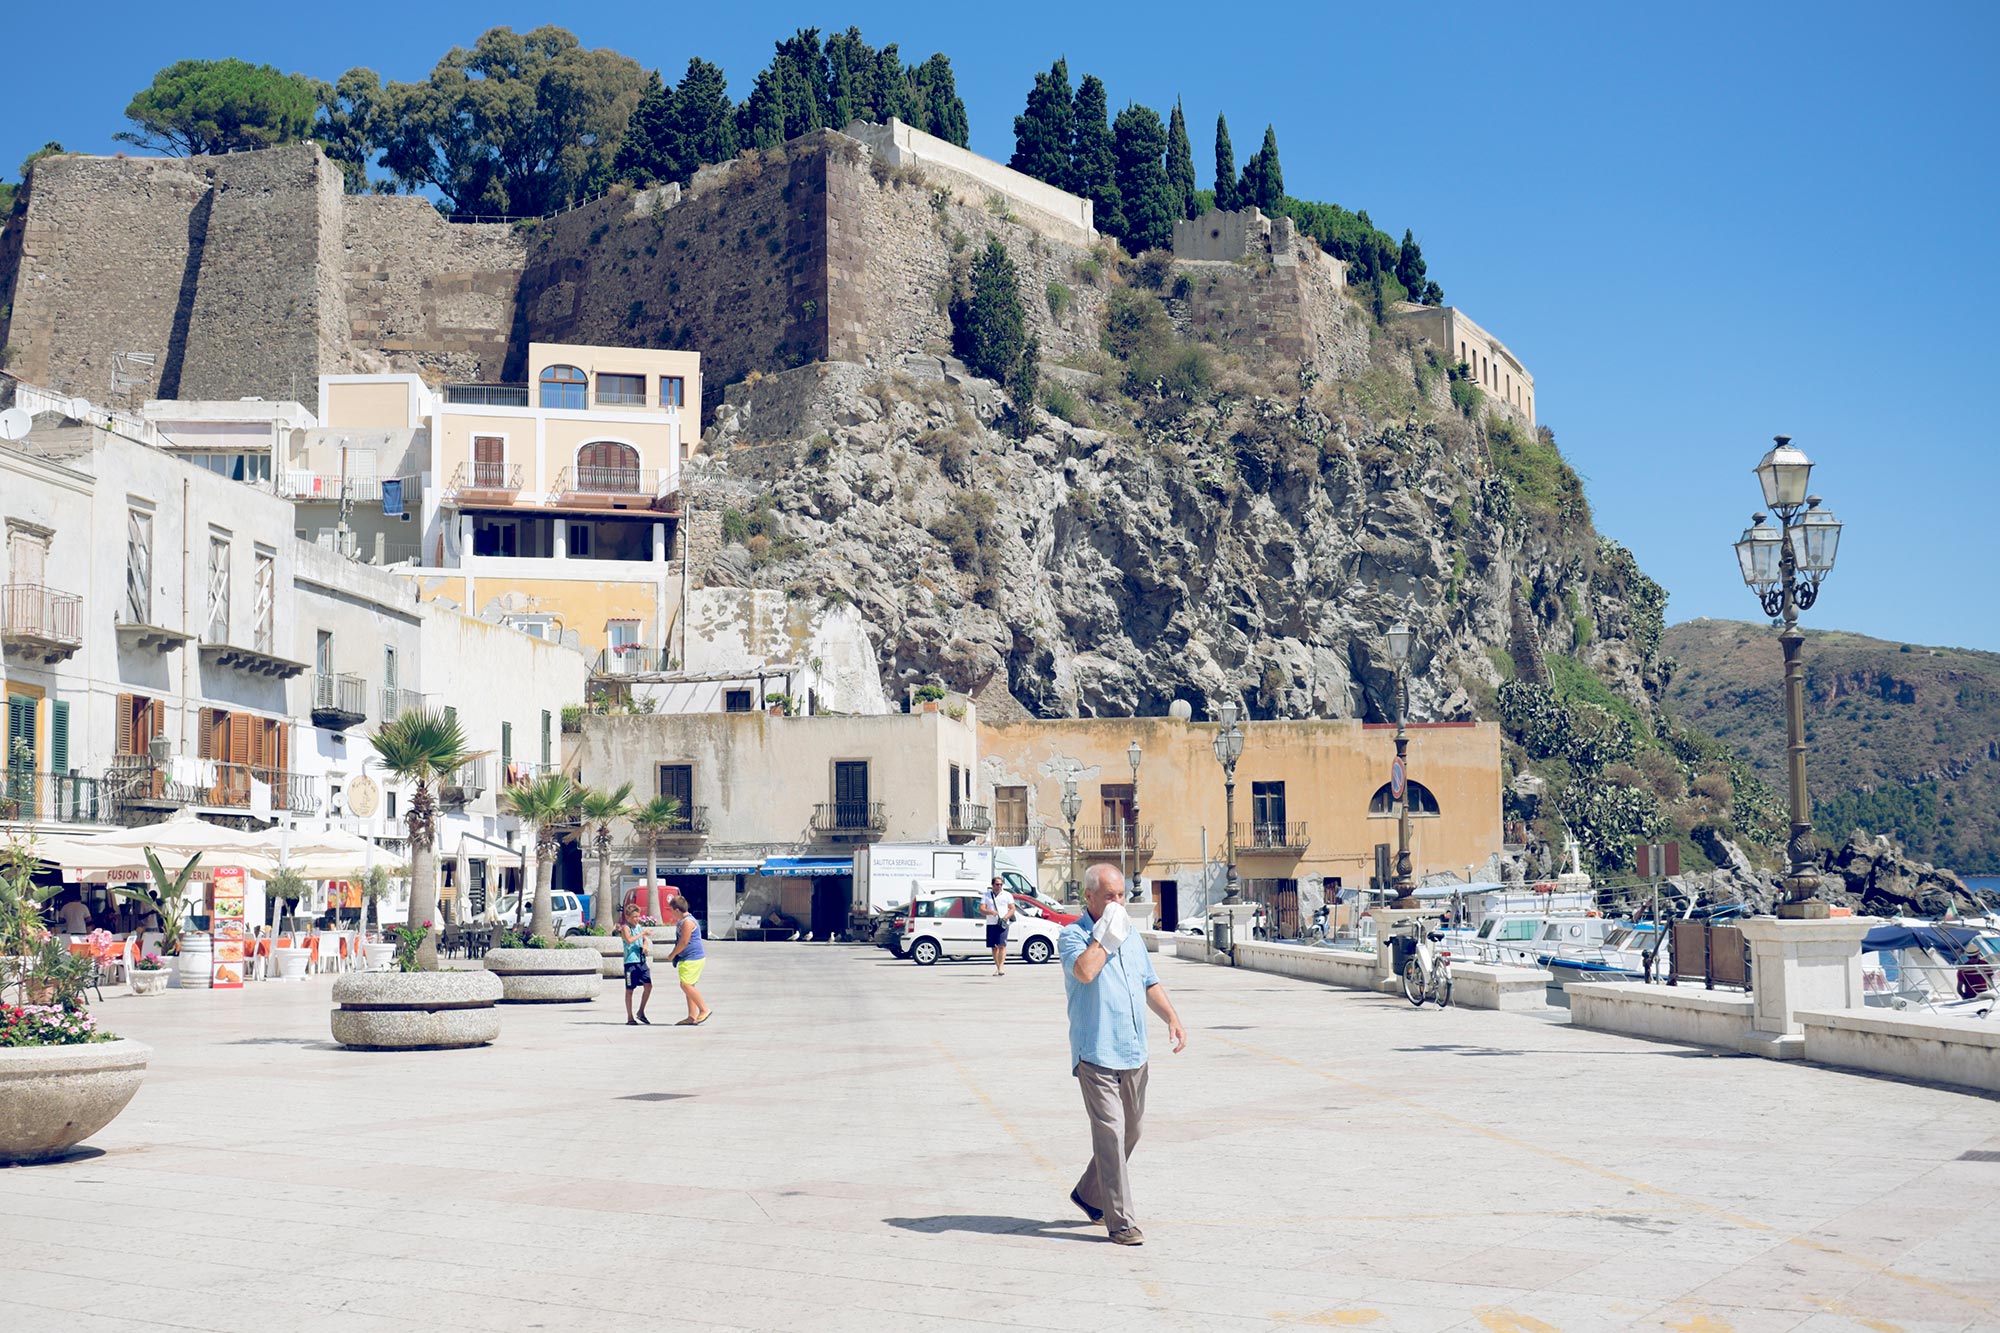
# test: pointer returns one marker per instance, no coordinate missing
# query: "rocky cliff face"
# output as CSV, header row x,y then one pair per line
x,y
1872,876
1249,540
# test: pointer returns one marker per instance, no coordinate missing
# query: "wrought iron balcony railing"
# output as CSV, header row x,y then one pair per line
x,y
969,821
1273,837
339,700
29,797
609,483
493,481
468,783
487,395
1011,833
396,702
1114,838
631,659
850,819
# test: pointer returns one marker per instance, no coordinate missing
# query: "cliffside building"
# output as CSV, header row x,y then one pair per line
x,y
1497,371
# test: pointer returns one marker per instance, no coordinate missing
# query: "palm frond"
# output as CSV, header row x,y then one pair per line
x,y
603,806
549,799
423,746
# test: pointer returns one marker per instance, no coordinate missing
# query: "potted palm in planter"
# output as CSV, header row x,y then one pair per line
x,y
61,1078
417,1007
374,886
547,970
166,898
286,885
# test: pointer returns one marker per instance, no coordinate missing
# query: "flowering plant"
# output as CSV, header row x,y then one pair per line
x,y
150,963
409,939
102,947
47,1025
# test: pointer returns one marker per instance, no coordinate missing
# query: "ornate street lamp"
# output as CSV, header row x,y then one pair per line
x,y
1132,755
1400,638
1228,749
1783,565
1071,805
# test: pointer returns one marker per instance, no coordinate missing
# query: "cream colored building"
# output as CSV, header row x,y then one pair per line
x,y
1312,803
1497,371
775,807
553,505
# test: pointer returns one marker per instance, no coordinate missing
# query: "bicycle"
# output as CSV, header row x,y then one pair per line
x,y
1427,974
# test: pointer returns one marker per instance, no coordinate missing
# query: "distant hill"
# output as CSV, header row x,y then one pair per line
x,y
1904,739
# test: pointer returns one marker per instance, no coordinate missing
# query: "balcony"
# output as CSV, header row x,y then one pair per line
x,y
610,487
40,622
396,702
849,821
1010,833
484,483
1116,839
339,701
251,661
487,395
631,659
968,821
235,787
468,784
28,797
134,637
135,782
332,487
1278,838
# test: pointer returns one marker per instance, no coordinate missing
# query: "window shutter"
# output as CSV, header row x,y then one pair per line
x,y
122,710
59,736
283,748
20,732
239,739
506,750
205,737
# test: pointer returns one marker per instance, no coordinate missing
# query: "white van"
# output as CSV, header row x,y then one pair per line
x,y
566,907
945,923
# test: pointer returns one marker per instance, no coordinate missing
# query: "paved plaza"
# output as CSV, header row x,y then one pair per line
x,y
858,1143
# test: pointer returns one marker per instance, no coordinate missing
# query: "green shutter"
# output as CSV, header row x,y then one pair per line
x,y
506,749
546,757
20,732
59,736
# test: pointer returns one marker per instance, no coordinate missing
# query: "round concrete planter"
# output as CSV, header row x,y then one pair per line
x,y
404,1011
610,953
545,976
54,1097
290,964
149,981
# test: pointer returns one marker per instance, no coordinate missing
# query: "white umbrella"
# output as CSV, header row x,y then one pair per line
x,y
184,835
331,842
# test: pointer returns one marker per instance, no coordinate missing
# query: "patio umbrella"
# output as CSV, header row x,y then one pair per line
x,y
184,835
332,842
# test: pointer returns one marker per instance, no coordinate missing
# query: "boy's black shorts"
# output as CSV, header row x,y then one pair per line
x,y
637,975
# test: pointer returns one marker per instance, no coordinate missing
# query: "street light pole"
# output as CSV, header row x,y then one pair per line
x,y
1071,805
1132,754
1399,649
1228,749
1783,565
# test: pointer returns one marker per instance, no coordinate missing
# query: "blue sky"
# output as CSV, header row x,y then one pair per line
x,y
1697,228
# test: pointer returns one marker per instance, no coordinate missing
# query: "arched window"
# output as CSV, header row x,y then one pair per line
x,y
1422,803
608,467
564,386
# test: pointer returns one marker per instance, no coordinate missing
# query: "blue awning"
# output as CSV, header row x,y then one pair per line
x,y
808,865
738,866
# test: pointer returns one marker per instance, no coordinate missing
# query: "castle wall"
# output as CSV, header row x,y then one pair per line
x,y
1295,310
1059,214
425,295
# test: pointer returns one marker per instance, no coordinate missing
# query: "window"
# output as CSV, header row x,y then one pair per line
x,y
489,462
389,805
323,653
736,701
1010,815
137,720
957,788
265,614
138,567
1119,808
621,390
506,750
21,732
673,391
217,629
59,736
607,467
27,555
850,793
389,676
1422,803
577,541
1267,808
677,784
564,387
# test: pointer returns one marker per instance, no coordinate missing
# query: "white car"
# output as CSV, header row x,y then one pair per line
x,y
948,925
567,908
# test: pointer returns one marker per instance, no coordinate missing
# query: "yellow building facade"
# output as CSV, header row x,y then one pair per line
x,y
1311,803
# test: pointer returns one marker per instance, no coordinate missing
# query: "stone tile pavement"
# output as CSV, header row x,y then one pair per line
x,y
858,1143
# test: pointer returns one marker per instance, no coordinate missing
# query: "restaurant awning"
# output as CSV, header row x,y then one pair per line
x,y
808,866
724,867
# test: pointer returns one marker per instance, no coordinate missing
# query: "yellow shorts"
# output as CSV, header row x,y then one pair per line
x,y
690,971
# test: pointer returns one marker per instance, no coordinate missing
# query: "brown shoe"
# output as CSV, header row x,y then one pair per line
x,y
1129,1236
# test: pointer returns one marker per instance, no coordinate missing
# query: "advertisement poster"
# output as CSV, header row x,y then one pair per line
x,y
227,926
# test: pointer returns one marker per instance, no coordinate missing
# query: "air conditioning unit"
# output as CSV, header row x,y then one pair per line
x,y
160,749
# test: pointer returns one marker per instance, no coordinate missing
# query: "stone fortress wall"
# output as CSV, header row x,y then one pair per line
x,y
1255,280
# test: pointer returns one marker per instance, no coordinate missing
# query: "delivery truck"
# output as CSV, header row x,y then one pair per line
x,y
885,875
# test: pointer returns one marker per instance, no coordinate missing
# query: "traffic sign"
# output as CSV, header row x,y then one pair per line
x,y
1398,781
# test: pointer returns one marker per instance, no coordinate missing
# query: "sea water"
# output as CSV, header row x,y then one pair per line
x,y
1983,883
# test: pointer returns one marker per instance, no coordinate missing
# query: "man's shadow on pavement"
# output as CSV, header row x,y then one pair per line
x,y
999,1226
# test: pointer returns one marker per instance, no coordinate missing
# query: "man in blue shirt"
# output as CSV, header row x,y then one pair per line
x,y
1110,984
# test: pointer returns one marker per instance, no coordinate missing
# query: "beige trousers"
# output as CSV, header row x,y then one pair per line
x,y
1115,1101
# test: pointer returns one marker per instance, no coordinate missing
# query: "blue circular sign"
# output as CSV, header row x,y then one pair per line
x,y
1397,780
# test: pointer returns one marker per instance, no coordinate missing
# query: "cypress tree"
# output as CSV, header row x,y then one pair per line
x,y
704,122
936,108
1044,131
990,327
1180,163
1410,266
1225,169
1263,183
1092,160
1145,193
854,77
646,153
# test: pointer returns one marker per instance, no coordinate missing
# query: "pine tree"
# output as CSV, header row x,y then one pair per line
x,y
1043,132
854,77
1410,266
1225,169
1263,183
646,154
704,121
1180,163
1093,162
760,120
1146,195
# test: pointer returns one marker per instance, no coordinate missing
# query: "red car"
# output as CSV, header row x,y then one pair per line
x,y
1062,916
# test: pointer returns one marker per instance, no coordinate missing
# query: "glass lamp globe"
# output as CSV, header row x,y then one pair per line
x,y
1399,642
1784,474
1132,754
1760,552
1815,538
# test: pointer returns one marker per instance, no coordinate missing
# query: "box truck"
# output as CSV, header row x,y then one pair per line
x,y
885,875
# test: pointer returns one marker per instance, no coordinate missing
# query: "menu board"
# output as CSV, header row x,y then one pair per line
x,y
227,927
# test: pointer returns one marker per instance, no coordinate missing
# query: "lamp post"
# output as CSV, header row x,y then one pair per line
x,y
1228,749
1132,755
1399,651
1783,565
1071,805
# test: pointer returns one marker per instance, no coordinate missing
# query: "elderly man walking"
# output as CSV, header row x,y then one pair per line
x,y
1110,984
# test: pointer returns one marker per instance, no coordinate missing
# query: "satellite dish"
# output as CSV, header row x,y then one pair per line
x,y
15,423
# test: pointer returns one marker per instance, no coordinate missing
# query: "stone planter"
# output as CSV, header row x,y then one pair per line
x,y
544,976
379,957
54,1097
610,953
289,964
415,1011
149,982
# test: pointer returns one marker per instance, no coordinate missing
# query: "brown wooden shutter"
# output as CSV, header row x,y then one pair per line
x,y
239,738
124,743
205,736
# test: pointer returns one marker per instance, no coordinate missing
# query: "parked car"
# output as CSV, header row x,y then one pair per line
x,y
567,907
948,925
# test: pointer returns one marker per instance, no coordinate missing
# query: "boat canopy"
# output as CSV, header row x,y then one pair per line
x,y
1949,940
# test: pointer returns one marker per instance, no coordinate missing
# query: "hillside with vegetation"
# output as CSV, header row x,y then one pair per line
x,y
1905,739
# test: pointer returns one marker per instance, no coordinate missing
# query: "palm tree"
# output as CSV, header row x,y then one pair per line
x,y
654,818
423,748
546,804
602,807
